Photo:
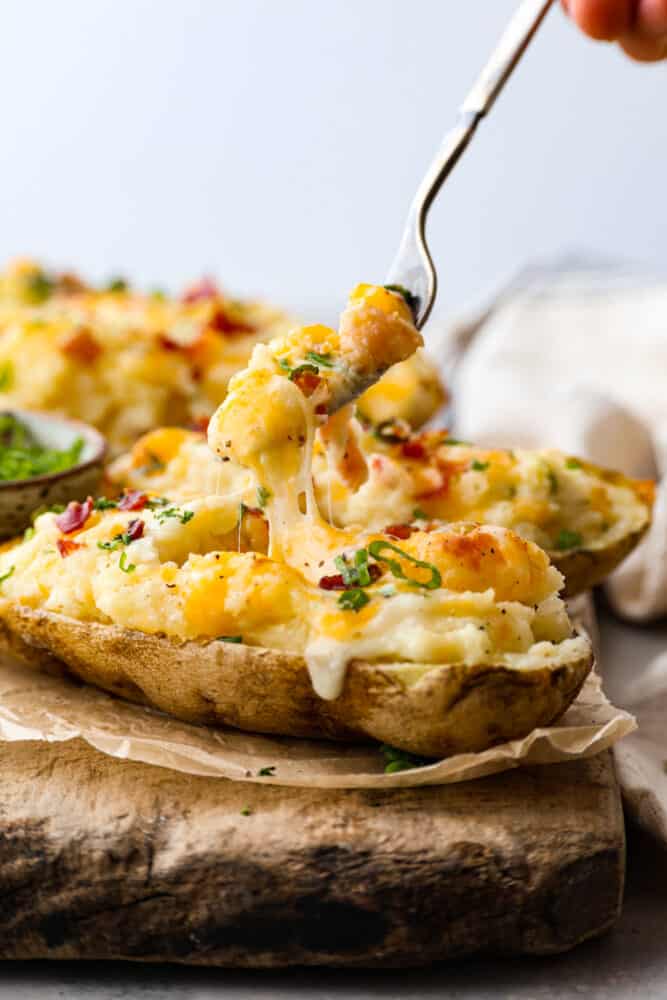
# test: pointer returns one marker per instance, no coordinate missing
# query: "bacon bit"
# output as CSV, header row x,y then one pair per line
x,y
70,284
378,463
413,449
135,530
201,290
253,511
308,382
200,424
75,516
81,345
167,344
196,373
336,582
221,322
66,547
399,530
333,583
133,500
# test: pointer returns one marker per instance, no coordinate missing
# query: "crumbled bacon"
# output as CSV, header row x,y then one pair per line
x,y
308,382
399,530
133,500
66,547
223,323
74,516
413,449
81,345
167,344
336,582
200,424
204,289
135,530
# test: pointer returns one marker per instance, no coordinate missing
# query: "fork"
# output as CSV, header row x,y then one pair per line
x,y
413,267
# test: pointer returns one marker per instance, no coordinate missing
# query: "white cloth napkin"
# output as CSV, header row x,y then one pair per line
x,y
577,359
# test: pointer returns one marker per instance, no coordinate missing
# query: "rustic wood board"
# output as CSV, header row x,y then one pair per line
x,y
101,858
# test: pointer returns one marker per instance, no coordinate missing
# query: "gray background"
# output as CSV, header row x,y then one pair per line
x,y
277,143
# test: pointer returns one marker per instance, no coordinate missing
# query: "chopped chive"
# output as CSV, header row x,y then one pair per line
x,y
263,496
376,549
353,600
124,565
6,576
572,463
478,466
266,772
568,540
236,639
323,360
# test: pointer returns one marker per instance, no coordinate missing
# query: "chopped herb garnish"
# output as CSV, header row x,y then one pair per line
x,y
182,515
236,639
246,811
357,573
401,760
390,431
6,576
22,456
302,370
323,360
117,285
6,376
104,503
124,565
378,547
568,540
28,534
353,600
478,466
38,287
285,365
455,441
263,496
553,481
266,772
572,463
154,503
419,515
411,299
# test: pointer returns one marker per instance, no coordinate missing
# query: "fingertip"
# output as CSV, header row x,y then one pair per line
x,y
601,19
652,18
646,50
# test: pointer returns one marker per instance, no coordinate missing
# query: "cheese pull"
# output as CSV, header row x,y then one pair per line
x,y
312,372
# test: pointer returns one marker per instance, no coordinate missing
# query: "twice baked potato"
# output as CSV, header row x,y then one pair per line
x,y
448,642
128,362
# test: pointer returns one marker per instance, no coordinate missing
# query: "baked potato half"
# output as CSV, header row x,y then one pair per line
x,y
446,643
425,709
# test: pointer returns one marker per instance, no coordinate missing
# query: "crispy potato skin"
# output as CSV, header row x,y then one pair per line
x,y
586,568
452,709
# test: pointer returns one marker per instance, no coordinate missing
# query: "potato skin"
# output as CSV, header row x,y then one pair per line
x,y
452,709
584,569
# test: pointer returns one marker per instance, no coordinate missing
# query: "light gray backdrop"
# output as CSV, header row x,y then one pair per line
x,y
277,142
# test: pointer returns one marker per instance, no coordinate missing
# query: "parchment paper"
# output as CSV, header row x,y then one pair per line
x,y
36,706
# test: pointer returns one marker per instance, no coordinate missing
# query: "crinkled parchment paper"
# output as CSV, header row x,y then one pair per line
x,y
36,706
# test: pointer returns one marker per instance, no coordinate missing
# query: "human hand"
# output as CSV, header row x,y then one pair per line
x,y
639,26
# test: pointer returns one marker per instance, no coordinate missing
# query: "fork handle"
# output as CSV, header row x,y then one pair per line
x,y
413,266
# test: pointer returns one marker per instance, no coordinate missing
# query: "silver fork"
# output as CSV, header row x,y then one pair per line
x,y
413,268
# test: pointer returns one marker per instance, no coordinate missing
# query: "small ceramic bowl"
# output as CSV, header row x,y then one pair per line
x,y
19,498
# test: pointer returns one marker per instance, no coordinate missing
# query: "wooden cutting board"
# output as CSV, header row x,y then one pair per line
x,y
101,858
